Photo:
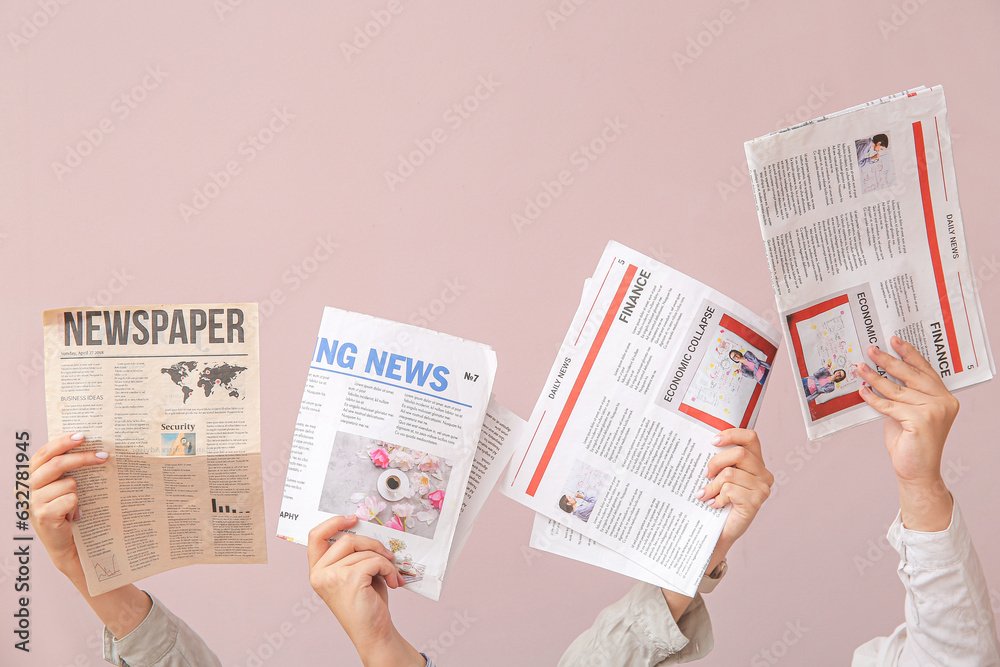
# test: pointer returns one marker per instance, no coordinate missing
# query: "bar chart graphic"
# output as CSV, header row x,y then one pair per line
x,y
218,507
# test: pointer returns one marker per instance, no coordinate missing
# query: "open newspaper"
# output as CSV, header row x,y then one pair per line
x,y
653,365
865,239
172,393
388,430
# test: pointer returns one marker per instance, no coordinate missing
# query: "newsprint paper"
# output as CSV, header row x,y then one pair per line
x,y
865,240
172,393
654,365
388,430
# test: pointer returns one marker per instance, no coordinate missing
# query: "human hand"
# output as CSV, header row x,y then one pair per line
x,y
919,412
352,576
740,477
54,503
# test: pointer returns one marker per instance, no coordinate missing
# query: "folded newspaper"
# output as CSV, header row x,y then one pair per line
x,y
865,240
391,421
654,364
172,393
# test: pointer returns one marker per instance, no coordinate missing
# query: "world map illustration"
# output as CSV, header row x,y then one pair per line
x,y
209,378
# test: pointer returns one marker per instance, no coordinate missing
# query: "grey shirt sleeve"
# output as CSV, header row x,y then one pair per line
x,y
639,631
161,640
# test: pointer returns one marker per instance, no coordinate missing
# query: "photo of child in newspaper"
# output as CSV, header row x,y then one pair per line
x,y
385,484
828,348
749,366
726,383
875,162
177,444
582,490
822,382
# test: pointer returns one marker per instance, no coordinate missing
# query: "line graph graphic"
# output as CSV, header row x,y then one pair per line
x,y
107,567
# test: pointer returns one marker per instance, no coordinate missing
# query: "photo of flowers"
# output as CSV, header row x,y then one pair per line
x,y
386,484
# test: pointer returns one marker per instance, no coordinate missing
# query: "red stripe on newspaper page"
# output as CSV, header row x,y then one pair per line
x,y
967,321
764,345
751,405
587,319
941,160
581,379
528,449
704,417
925,192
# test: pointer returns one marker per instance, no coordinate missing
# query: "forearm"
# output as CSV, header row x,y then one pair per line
x,y
394,652
925,506
121,610
678,603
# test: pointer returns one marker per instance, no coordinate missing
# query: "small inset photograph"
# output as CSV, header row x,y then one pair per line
x,y
828,349
730,377
385,484
875,162
582,490
177,444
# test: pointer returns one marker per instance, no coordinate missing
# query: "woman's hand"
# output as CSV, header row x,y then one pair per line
x,y
54,503
352,576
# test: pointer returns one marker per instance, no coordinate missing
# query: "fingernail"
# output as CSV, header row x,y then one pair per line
x,y
101,455
698,495
716,440
76,436
76,517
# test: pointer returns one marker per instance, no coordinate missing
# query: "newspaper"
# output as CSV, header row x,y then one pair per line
x,y
653,365
388,430
865,239
172,393
502,430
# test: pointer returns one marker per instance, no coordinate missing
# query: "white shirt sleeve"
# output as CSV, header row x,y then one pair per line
x,y
639,631
161,640
949,620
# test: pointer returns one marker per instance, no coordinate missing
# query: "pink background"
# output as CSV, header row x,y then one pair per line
x,y
111,231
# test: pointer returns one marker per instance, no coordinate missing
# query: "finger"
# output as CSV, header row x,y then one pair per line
x,y
740,457
54,447
349,544
910,376
322,532
738,436
50,492
369,564
888,407
891,390
913,357
59,465
731,476
747,501
60,509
